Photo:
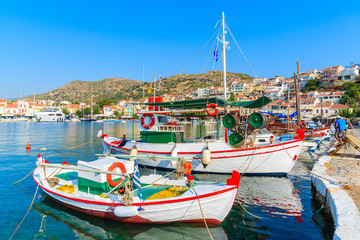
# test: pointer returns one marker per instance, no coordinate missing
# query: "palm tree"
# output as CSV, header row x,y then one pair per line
x,y
346,113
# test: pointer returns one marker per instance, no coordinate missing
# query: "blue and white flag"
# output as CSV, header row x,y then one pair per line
x,y
216,54
137,182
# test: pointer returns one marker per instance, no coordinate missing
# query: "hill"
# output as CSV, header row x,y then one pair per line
x,y
125,89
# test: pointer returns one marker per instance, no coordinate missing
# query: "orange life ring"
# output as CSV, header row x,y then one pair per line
x,y
109,179
212,105
142,120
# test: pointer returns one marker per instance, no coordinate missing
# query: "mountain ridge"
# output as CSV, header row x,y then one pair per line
x,y
128,89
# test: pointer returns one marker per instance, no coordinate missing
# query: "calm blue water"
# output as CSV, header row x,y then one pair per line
x,y
285,205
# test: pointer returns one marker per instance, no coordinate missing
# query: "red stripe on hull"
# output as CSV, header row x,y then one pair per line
x,y
135,219
144,203
212,152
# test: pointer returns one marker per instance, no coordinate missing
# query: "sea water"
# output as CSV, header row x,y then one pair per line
x,y
271,207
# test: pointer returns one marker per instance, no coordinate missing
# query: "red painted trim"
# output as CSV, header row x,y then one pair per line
x,y
224,151
263,147
244,155
134,219
144,203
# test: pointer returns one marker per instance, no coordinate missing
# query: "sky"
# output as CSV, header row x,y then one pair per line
x,y
47,44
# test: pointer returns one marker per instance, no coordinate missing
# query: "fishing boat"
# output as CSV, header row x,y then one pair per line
x,y
89,187
86,227
255,154
245,148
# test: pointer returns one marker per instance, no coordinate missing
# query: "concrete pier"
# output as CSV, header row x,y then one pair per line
x,y
337,179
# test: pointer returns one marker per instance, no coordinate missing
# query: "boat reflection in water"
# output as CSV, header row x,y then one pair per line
x,y
86,226
275,195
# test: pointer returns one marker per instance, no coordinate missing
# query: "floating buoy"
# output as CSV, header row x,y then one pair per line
x,y
133,151
42,149
28,147
174,153
123,211
206,157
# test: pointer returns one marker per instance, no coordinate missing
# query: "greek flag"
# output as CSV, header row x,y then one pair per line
x,y
137,182
216,54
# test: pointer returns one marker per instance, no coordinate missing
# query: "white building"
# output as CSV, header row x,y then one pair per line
x,y
3,103
238,86
349,73
333,97
258,81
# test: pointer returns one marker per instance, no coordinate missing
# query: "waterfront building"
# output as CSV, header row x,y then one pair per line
x,y
12,108
3,103
327,109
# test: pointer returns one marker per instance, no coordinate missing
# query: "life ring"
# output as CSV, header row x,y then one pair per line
x,y
303,125
212,105
109,179
142,120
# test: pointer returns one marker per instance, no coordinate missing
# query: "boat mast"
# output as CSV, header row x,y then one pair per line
x,y
91,103
224,52
297,90
154,87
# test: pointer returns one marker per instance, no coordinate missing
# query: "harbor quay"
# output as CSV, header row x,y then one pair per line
x,y
336,178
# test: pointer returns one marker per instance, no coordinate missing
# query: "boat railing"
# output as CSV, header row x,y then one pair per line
x,y
167,128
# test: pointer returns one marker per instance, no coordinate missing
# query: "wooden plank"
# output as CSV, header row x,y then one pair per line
x,y
353,141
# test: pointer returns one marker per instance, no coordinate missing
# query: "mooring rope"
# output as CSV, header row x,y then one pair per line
x,y
18,226
24,177
128,197
237,198
202,213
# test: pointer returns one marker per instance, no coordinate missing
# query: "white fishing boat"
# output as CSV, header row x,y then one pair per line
x,y
246,150
50,115
90,188
265,156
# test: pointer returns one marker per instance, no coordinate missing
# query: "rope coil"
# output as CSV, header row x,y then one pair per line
x,y
128,198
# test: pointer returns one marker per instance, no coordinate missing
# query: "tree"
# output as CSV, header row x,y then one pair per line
x,y
96,109
117,114
87,111
104,102
78,113
65,111
346,113
232,97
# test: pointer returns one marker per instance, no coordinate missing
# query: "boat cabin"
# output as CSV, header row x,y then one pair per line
x,y
158,128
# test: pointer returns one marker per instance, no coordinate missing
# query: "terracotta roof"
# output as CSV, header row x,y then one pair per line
x,y
324,104
74,106
339,106
13,105
3,100
338,93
